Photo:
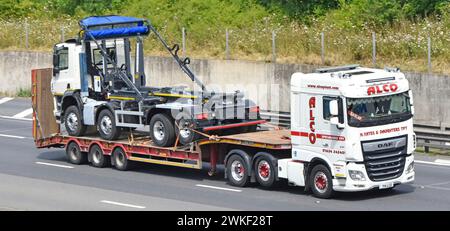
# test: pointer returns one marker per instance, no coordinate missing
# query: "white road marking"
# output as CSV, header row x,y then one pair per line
x,y
122,204
11,136
23,113
219,188
437,187
432,163
431,187
10,130
12,118
442,161
440,183
54,165
5,99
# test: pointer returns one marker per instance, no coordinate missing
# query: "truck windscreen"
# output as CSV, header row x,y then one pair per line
x,y
364,112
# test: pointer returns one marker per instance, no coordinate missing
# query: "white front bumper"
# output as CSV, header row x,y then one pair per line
x,y
348,185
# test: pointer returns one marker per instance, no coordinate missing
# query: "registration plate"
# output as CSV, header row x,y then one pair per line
x,y
387,185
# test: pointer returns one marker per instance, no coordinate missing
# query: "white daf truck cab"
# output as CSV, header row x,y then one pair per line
x,y
357,123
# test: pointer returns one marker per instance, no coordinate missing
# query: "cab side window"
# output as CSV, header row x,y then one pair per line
x,y
63,59
326,107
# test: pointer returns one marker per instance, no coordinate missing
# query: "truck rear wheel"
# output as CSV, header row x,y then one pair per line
x,y
120,160
265,172
321,181
97,157
185,132
162,130
73,122
106,125
74,154
237,171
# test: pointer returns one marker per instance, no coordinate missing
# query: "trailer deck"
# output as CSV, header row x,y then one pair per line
x,y
137,147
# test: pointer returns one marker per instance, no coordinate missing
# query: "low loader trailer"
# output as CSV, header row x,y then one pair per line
x,y
351,130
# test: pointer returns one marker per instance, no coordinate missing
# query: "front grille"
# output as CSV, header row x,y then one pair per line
x,y
385,159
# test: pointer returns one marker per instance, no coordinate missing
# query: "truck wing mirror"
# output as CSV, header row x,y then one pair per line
x,y
410,94
335,120
334,109
55,64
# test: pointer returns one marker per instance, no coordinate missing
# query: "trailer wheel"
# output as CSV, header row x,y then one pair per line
x,y
97,157
321,181
73,122
106,125
74,154
237,171
120,160
162,130
265,172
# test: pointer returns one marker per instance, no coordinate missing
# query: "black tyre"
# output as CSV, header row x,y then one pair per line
x,y
120,160
237,171
74,154
184,131
265,172
73,121
106,125
162,130
97,157
321,182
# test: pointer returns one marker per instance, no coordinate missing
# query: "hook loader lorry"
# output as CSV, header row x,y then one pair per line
x,y
95,87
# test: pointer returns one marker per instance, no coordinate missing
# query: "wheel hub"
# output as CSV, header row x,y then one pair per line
x,y
119,159
158,130
264,170
237,170
321,182
184,128
73,153
106,125
96,156
72,121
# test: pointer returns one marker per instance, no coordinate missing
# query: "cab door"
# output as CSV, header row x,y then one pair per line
x,y
332,138
61,76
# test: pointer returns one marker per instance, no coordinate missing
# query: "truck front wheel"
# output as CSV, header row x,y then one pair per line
x,y
321,181
237,171
106,125
73,122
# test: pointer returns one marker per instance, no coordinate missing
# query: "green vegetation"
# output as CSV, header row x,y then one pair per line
x,y
23,93
402,28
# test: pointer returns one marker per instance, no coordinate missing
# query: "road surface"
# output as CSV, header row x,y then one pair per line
x,y
41,179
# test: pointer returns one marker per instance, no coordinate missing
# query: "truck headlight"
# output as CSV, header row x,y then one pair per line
x,y
356,175
410,168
